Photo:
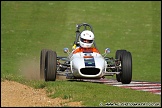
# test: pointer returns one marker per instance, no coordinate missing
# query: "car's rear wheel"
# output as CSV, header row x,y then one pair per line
x,y
117,56
50,66
126,67
42,62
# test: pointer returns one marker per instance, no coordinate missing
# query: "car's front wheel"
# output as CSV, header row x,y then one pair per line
x,y
42,62
126,67
50,66
117,56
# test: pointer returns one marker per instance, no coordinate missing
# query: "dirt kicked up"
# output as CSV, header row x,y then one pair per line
x,y
14,94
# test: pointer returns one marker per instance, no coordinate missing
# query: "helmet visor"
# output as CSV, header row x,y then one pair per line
x,y
86,41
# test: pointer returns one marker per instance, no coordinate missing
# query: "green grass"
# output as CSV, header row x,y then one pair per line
x,y
27,27
92,94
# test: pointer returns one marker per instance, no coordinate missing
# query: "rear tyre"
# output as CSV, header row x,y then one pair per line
x,y
117,56
126,65
42,62
50,66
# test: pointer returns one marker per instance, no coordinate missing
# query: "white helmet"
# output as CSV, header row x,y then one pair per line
x,y
86,39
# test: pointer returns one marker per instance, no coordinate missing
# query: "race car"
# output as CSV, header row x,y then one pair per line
x,y
85,64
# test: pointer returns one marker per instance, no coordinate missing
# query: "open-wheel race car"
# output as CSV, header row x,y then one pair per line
x,y
85,64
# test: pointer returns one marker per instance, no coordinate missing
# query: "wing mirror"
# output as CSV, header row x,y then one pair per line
x,y
107,50
66,50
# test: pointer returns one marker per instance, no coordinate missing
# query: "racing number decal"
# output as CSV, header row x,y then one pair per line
x,y
87,54
89,62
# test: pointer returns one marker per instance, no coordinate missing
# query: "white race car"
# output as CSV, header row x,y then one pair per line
x,y
85,64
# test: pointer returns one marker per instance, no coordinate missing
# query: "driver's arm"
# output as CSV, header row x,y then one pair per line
x,y
74,46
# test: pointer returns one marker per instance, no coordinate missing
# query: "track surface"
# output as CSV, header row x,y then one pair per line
x,y
152,87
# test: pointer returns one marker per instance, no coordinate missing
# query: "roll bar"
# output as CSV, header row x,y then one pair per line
x,y
78,32
78,26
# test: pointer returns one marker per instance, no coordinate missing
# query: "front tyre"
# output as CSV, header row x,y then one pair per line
x,y
50,66
42,62
117,56
126,66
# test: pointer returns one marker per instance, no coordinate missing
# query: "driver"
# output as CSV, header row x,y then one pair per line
x,y
86,40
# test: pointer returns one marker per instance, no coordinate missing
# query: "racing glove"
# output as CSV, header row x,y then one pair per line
x,y
74,46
